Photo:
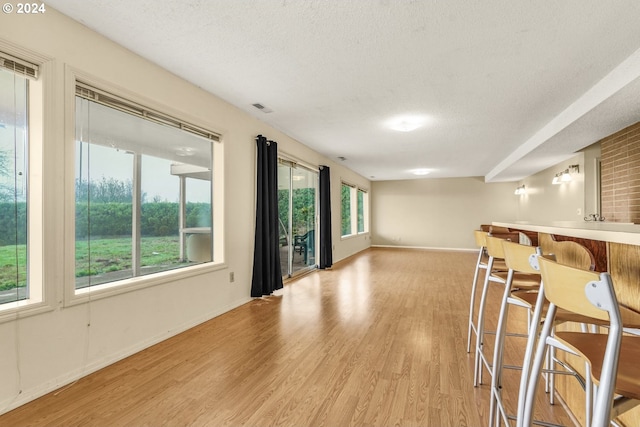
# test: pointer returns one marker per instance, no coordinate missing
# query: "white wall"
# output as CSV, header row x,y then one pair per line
x,y
543,201
440,213
42,352
437,213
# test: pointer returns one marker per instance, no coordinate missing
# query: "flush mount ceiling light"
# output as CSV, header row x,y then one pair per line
x,y
420,172
407,123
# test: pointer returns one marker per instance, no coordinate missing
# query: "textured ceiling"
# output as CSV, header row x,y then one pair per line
x,y
507,88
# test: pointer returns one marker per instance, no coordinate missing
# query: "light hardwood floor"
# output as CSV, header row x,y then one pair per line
x,y
379,340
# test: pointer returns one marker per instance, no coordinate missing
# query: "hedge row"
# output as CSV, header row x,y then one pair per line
x,y
13,223
157,219
110,219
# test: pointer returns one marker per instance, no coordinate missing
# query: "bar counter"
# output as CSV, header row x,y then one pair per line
x,y
598,230
615,246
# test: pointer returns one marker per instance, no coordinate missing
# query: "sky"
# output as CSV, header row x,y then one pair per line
x,y
110,138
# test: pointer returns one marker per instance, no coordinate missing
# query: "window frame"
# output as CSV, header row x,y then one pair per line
x,y
41,129
73,296
353,210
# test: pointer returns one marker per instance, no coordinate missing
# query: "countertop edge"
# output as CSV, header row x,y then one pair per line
x,y
595,231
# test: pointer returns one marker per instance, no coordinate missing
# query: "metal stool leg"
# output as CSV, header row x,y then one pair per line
x,y
474,287
498,354
477,373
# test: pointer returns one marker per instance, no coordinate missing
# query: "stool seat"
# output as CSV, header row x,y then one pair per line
x,y
592,347
630,318
499,265
520,280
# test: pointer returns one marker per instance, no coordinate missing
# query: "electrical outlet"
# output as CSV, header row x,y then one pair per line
x,y
232,277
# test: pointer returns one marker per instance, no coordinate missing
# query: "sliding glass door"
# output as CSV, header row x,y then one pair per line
x,y
297,201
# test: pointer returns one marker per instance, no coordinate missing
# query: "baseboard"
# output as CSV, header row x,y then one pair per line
x,y
67,380
430,248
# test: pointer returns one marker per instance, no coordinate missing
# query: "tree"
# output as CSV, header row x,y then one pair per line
x,y
7,190
346,209
106,190
13,207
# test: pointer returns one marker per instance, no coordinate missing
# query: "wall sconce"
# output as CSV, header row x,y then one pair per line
x,y
565,175
520,190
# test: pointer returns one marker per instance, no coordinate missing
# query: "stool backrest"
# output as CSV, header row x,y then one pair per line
x,y
494,247
481,238
568,252
517,256
568,287
499,229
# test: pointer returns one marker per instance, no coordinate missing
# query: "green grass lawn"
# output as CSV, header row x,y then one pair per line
x,y
107,255
13,266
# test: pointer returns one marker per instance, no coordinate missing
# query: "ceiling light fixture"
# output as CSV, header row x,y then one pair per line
x,y
420,172
406,123
565,175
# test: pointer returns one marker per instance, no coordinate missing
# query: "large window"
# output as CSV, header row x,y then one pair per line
x,y
19,284
354,210
143,191
13,186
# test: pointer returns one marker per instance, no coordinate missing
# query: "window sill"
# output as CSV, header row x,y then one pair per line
x,y
80,296
353,236
21,309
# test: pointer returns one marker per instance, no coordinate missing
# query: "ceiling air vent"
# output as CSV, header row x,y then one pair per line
x,y
262,108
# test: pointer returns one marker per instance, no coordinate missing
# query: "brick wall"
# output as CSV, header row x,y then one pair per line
x,y
620,175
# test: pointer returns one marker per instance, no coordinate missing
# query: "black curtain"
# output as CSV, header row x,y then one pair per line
x,y
326,252
267,276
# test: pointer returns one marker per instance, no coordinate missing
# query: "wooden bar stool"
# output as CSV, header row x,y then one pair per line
x,y
574,255
480,237
611,357
517,280
568,253
518,258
